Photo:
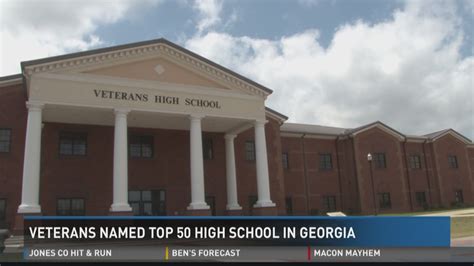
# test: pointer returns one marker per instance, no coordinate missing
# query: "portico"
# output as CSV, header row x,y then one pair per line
x,y
74,95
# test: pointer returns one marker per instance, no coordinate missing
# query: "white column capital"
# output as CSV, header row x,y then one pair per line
x,y
121,111
196,117
230,136
34,106
260,122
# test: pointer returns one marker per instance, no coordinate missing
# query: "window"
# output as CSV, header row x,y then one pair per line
x,y
325,161
285,162
207,150
141,146
384,201
289,206
5,139
421,198
211,201
250,150
379,160
329,203
453,161
147,202
70,207
3,209
458,198
415,162
72,144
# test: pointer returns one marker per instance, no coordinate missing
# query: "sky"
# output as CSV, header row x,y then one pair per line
x,y
342,63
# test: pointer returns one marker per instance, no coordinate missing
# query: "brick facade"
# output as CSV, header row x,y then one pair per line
x,y
350,180
303,185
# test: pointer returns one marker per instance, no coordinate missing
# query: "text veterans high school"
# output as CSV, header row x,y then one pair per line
x,y
151,128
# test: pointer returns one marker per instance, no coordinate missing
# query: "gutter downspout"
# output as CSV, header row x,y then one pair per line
x,y
427,174
356,175
306,190
408,174
339,174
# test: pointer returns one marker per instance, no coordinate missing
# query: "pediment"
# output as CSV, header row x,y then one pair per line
x,y
156,60
157,69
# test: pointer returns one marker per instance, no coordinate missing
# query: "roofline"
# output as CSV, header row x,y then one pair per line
x,y
11,80
137,44
451,131
9,77
281,116
359,129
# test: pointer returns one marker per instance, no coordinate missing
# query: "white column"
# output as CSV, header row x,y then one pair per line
x,y
232,202
31,163
198,201
120,198
263,182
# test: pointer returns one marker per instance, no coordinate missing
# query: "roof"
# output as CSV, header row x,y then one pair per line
x,y
339,131
312,129
438,134
138,44
390,130
11,79
281,117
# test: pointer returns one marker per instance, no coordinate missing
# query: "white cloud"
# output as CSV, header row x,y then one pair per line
x,y
209,13
406,71
33,29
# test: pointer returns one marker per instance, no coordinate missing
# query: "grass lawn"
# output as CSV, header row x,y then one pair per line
x,y
462,226
424,212
11,257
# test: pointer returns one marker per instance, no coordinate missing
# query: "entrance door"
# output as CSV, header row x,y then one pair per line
x,y
147,202
211,201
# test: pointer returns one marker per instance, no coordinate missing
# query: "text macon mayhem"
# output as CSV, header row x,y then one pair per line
x,y
151,128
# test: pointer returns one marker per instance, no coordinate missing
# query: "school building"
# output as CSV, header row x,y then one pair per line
x,y
151,128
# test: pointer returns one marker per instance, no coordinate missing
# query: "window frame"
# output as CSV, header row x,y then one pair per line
x,y
70,212
323,162
417,198
285,160
414,161
385,202
453,162
158,206
3,213
289,205
328,200
379,160
9,142
211,201
73,137
252,200
207,144
142,141
458,196
250,155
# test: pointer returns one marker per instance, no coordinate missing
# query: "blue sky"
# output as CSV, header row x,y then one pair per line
x,y
341,63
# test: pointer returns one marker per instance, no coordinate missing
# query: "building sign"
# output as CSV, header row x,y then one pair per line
x,y
159,99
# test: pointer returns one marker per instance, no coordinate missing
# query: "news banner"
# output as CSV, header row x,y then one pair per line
x,y
285,239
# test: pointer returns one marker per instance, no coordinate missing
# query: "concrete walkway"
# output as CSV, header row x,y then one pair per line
x,y
453,213
467,241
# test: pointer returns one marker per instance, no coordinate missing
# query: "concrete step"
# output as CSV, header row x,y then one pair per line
x,y
14,244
